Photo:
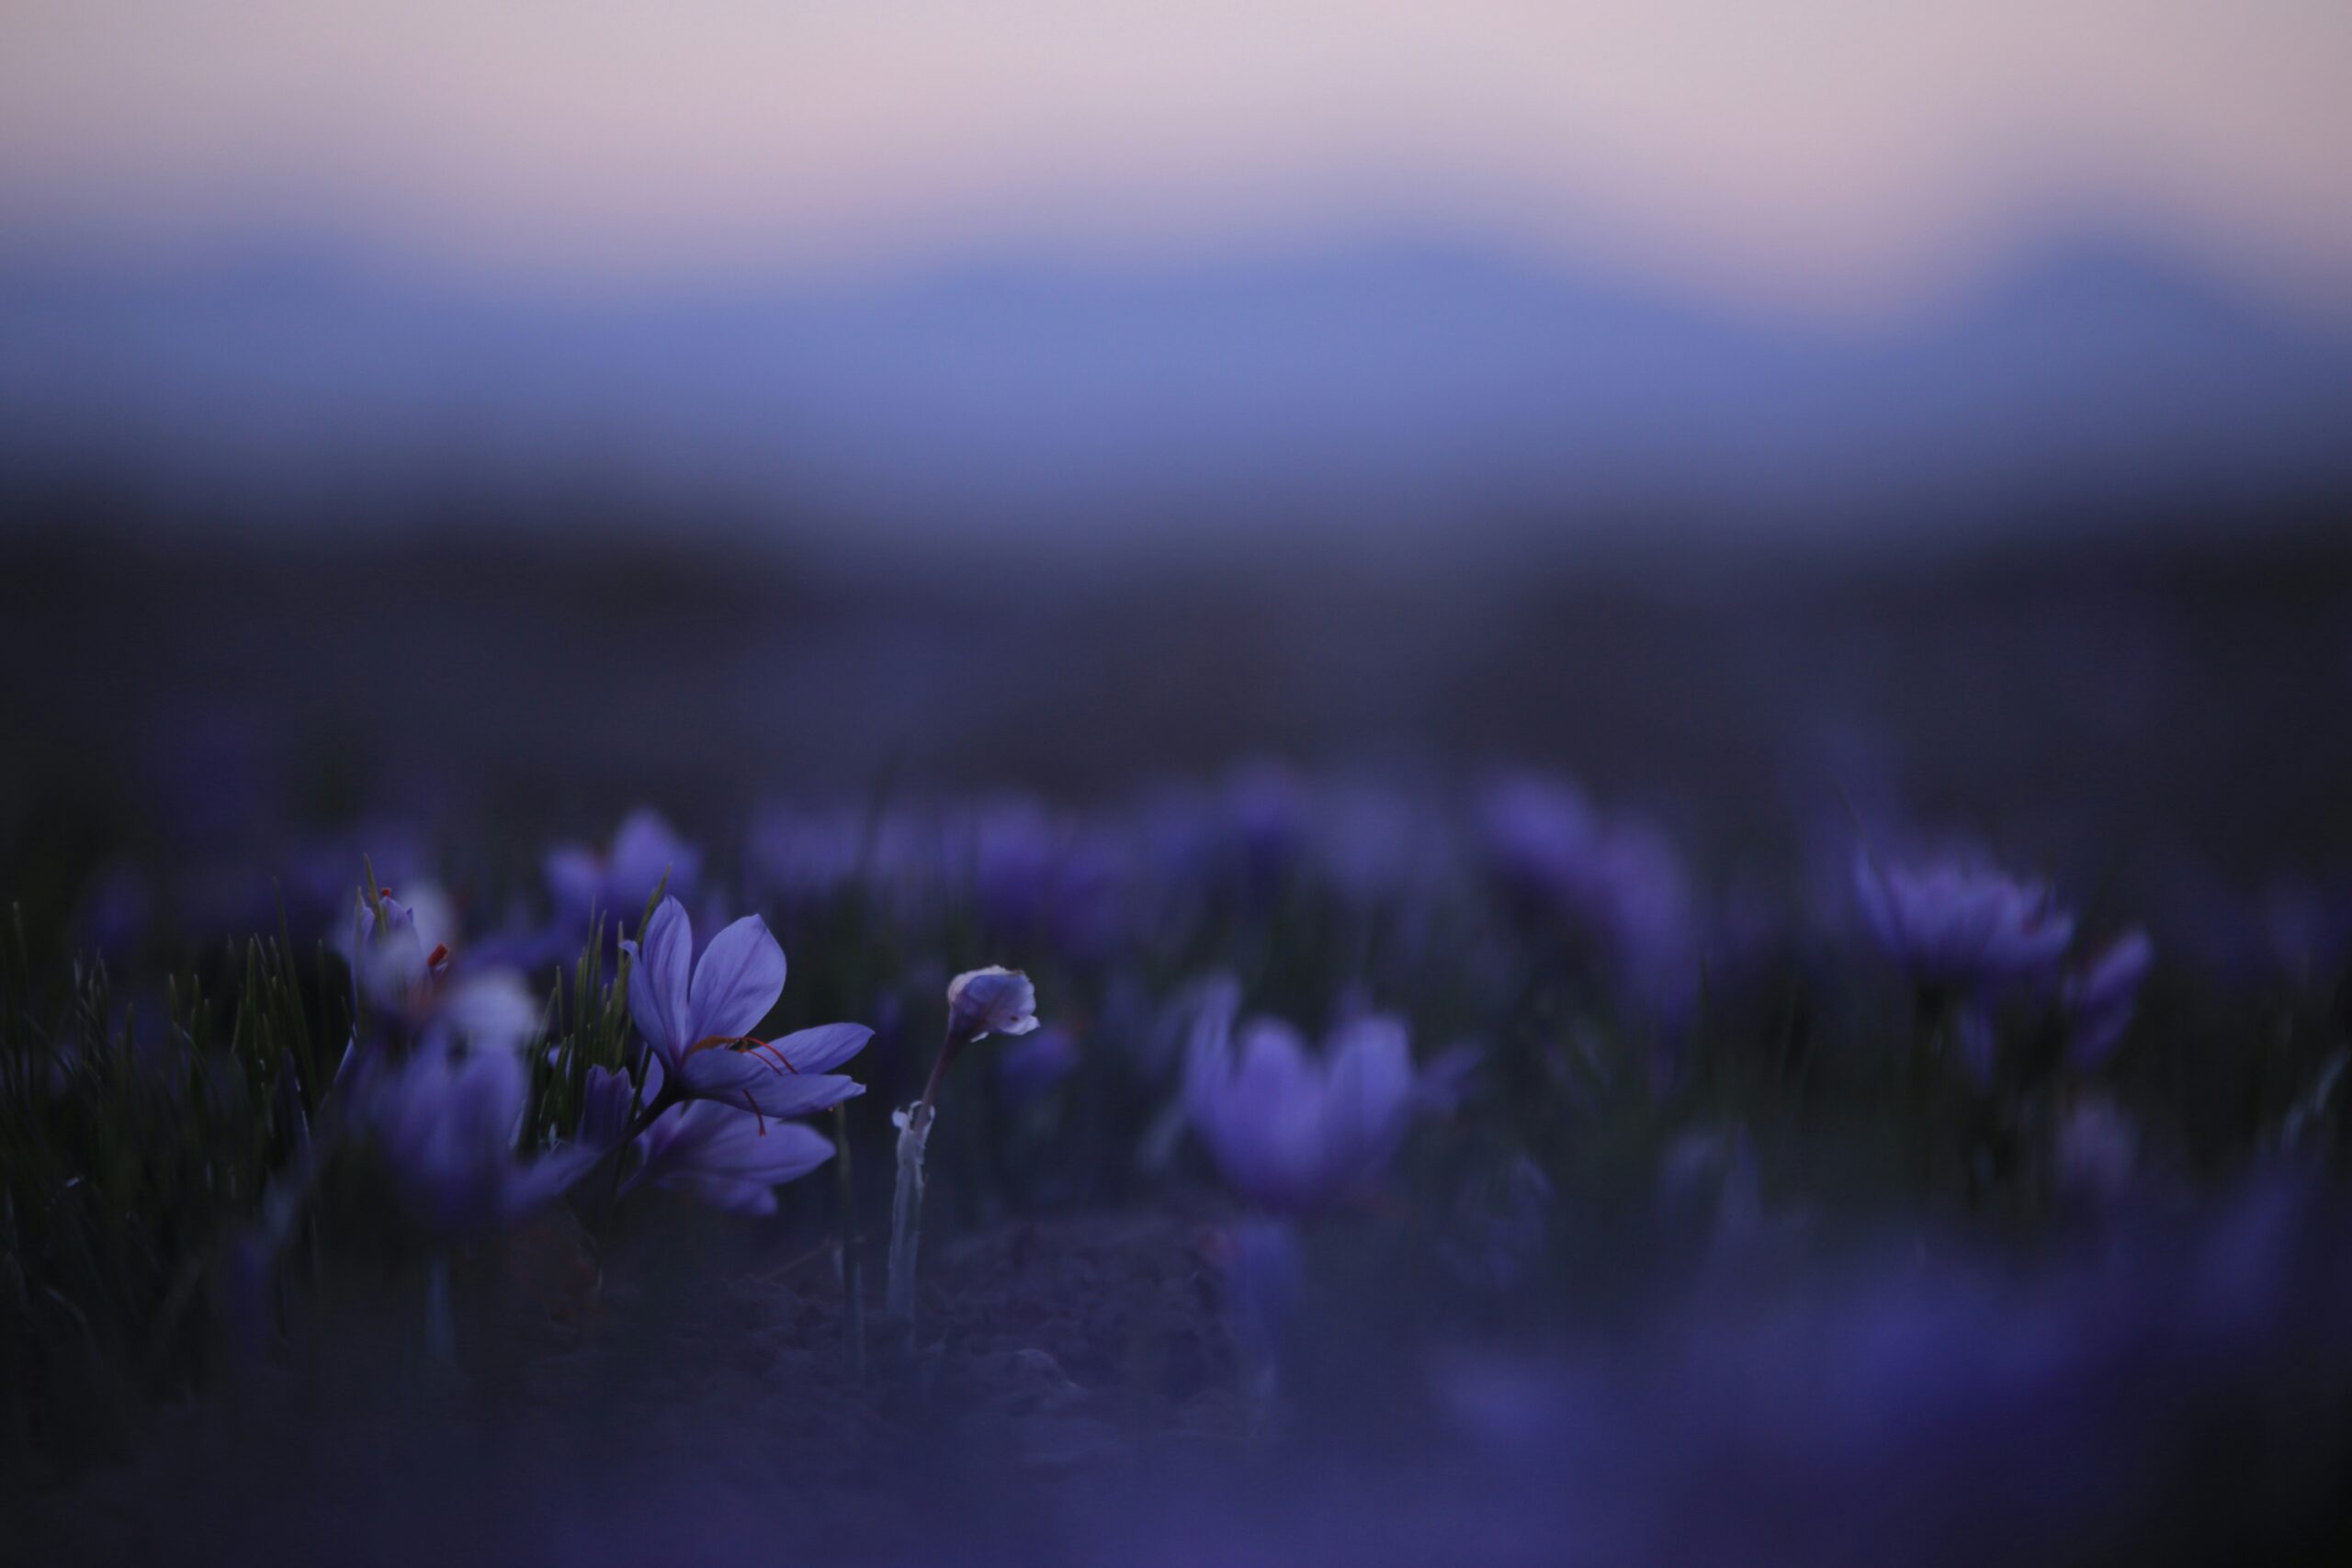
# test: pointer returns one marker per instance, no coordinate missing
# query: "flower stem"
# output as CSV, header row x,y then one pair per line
x,y
906,1199
646,1116
906,1215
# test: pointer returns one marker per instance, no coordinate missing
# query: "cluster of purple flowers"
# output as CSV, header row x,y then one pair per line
x,y
1625,1075
1970,935
444,1084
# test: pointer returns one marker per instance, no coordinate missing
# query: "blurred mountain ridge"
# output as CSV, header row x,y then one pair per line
x,y
1392,380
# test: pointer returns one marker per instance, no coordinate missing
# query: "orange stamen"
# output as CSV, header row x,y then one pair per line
x,y
749,1045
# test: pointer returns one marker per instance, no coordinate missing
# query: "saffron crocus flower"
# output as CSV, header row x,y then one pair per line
x,y
2100,1000
1617,882
645,853
728,1160
445,1125
698,1015
1266,813
1953,926
1537,834
1290,1131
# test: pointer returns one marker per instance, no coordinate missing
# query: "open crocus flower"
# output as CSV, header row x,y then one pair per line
x,y
446,1123
697,1016
1959,927
1290,1131
994,1000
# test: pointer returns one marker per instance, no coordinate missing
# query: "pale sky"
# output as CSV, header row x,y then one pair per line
x,y
1799,152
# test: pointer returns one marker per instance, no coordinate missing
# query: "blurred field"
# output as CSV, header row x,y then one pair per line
x,y
2169,672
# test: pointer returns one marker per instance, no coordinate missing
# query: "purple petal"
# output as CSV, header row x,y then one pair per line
x,y
1367,1098
660,982
823,1048
737,981
747,1079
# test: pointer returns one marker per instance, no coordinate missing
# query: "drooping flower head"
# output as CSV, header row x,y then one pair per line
x,y
994,1000
1959,926
980,1002
697,1016
1290,1131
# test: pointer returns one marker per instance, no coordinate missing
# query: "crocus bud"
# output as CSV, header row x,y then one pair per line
x,y
994,1000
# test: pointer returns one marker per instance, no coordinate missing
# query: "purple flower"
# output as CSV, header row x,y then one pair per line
x,y
1266,813
1618,882
609,1099
1951,925
725,1157
1290,1131
1538,834
446,1127
645,853
994,1000
698,1015
728,1160
2099,1000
